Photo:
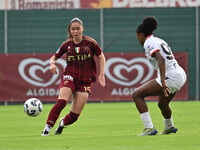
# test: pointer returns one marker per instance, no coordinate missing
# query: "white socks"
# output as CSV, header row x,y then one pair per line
x,y
146,120
62,123
168,123
48,128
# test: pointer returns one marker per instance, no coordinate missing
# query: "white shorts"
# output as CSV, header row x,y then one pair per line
x,y
175,79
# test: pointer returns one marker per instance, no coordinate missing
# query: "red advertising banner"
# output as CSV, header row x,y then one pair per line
x,y
23,76
126,71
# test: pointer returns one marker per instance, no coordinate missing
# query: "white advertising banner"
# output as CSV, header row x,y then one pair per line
x,y
155,3
39,4
93,4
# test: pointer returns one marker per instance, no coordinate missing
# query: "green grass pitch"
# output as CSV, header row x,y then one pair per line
x,y
101,126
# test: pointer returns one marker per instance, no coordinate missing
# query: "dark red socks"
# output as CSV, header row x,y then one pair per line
x,y
55,112
70,118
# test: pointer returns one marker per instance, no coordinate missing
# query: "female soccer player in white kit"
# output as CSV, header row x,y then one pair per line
x,y
170,77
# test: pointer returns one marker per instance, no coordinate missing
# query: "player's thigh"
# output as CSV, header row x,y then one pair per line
x,y
150,88
65,93
78,102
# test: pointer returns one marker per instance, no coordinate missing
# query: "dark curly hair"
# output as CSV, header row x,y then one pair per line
x,y
149,24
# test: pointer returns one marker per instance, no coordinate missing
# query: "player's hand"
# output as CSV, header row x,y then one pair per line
x,y
53,68
165,89
101,80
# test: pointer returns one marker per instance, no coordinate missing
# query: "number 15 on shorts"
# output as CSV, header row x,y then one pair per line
x,y
87,89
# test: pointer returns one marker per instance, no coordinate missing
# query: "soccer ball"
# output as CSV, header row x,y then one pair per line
x,y
33,107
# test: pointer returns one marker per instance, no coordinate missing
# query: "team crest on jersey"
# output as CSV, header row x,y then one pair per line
x,y
65,82
87,49
77,49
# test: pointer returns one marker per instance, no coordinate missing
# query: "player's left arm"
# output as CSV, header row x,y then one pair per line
x,y
101,77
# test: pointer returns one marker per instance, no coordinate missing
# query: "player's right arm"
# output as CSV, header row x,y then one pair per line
x,y
53,66
55,57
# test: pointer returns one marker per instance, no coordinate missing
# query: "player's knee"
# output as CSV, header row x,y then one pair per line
x,y
135,95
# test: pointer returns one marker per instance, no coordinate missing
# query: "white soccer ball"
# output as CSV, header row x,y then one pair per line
x,y
33,107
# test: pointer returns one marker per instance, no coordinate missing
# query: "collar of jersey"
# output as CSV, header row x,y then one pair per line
x,y
148,36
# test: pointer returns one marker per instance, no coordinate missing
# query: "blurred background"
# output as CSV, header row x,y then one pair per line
x,y
34,30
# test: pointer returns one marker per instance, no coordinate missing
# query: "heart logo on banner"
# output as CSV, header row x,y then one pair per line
x,y
135,63
40,65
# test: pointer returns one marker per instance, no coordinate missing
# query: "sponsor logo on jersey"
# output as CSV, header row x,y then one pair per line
x,y
68,77
78,57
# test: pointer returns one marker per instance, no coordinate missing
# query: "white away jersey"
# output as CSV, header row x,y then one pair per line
x,y
153,44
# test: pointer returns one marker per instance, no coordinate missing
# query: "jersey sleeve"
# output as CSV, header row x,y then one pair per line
x,y
151,47
61,50
94,45
96,49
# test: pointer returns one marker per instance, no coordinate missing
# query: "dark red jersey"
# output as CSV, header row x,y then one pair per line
x,y
80,58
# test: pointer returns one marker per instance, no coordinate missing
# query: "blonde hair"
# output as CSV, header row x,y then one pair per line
x,y
70,23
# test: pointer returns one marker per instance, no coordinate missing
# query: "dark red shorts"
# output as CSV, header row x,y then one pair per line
x,y
75,85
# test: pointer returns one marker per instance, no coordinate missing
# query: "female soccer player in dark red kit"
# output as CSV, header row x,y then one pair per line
x,y
77,77
170,77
